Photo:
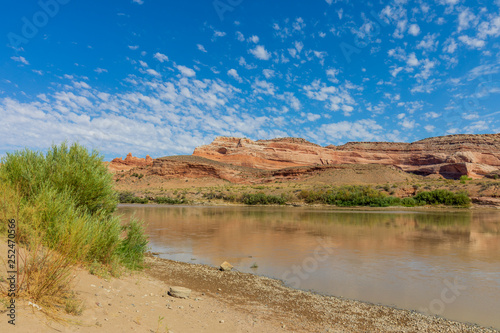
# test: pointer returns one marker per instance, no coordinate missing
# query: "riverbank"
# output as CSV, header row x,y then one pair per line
x,y
220,302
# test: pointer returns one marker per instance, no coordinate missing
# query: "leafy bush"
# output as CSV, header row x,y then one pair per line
x,y
170,201
464,178
262,199
442,197
134,245
63,169
347,196
130,197
66,198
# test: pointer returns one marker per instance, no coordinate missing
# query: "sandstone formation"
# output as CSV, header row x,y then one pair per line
x,y
129,163
449,156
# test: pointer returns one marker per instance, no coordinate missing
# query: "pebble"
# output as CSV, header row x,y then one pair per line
x,y
226,267
221,321
179,292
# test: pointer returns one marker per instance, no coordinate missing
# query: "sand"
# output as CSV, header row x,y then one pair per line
x,y
219,302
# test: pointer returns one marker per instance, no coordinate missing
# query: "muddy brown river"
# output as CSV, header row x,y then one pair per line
x,y
444,263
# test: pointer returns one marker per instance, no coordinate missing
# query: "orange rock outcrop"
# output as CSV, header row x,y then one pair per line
x,y
449,156
129,163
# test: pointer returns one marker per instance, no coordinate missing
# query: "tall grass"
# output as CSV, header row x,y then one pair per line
x,y
64,203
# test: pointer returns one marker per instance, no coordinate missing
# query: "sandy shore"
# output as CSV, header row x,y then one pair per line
x,y
220,302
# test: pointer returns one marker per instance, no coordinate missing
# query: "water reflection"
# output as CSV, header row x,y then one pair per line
x,y
401,258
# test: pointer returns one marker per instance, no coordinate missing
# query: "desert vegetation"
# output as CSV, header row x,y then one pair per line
x,y
63,202
340,196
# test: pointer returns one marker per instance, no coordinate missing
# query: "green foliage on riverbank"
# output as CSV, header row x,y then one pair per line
x,y
262,199
66,196
348,196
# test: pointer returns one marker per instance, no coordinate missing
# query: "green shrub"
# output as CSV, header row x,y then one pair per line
x,y
464,178
408,202
64,169
130,197
133,247
442,197
168,200
65,197
262,199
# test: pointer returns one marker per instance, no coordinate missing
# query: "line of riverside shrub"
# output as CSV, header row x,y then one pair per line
x,y
442,197
248,198
169,201
262,199
347,196
129,197
67,198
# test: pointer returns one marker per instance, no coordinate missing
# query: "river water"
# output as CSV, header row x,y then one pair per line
x,y
439,262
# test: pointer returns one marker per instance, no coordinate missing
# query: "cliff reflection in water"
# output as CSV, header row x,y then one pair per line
x,y
395,258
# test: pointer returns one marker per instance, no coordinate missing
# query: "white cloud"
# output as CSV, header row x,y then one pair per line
x,y
407,124
395,71
347,110
160,57
260,52
81,85
450,46
464,19
254,39
412,60
492,28
299,46
100,70
218,34
477,126
299,24
429,43
472,43
133,47
234,74
332,75
263,87
268,73
414,30
139,2
312,116
186,71
21,60
153,72
429,128
201,48
329,2
431,115
143,63
361,130
240,36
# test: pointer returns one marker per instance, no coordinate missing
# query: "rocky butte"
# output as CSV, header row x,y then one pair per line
x,y
448,156
129,163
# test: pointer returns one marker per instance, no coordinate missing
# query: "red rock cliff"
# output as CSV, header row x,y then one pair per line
x,y
449,156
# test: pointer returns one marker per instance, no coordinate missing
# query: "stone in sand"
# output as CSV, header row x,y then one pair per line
x,y
226,267
179,292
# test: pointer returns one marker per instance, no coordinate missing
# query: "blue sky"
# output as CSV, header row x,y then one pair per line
x,y
162,77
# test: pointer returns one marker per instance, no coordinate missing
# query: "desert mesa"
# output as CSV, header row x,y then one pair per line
x,y
451,156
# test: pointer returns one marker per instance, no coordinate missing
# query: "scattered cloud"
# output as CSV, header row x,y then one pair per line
x,y
414,30
21,60
186,71
260,52
234,74
160,57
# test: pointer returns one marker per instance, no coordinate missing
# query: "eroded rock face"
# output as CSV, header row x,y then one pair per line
x,y
449,156
130,162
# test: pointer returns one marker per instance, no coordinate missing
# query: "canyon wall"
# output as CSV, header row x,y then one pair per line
x,y
448,156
